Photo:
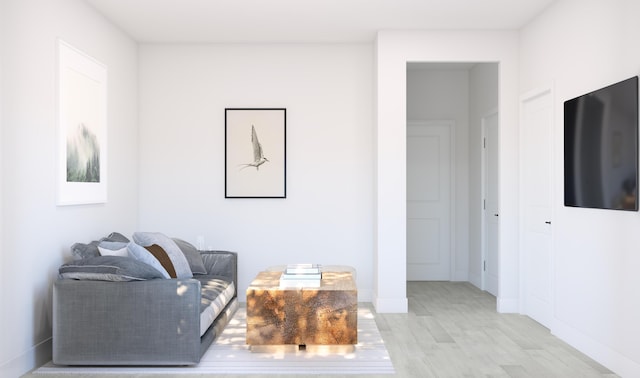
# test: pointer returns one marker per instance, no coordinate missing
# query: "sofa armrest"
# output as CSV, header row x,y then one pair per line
x,y
138,322
221,263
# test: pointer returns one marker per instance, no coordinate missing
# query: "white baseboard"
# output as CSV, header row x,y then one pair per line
x,y
508,305
460,276
476,280
603,354
391,305
33,358
365,295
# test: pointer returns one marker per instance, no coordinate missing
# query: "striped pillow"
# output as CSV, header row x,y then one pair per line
x,y
141,254
170,248
162,257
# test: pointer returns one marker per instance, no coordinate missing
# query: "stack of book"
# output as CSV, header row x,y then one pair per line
x,y
301,275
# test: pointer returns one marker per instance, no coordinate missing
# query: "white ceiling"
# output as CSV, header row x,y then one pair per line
x,y
238,21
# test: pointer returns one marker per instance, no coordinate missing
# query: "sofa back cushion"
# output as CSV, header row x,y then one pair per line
x,y
193,256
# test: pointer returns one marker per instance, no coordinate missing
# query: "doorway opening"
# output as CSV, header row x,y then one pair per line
x,y
447,234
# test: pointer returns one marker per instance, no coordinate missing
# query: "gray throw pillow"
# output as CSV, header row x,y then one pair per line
x,y
193,256
173,252
84,251
109,268
115,237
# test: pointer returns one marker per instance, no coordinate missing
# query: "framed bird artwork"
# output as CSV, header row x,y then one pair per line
x,y
255,152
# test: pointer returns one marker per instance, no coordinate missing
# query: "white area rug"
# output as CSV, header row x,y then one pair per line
x,y
230,355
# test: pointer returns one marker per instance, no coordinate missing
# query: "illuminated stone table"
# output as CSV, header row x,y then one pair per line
x,y
303,316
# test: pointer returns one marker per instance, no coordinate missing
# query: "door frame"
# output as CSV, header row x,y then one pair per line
x,y
528,96
452,181
483,191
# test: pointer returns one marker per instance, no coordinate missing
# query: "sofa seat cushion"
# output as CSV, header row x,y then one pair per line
x,y
216,292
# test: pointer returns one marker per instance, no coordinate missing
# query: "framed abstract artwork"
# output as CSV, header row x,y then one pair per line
x,y
81,128
255,153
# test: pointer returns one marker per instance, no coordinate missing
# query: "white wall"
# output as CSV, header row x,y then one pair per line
x,y
393,50
443,94
483,99
36,234
2,36
326,89
577,46
343,156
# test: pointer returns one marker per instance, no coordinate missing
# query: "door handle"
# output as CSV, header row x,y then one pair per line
x,y
548,222
495,215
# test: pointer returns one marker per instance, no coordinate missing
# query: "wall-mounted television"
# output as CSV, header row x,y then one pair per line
x,y
601,148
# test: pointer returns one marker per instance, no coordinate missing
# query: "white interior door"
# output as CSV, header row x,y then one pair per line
x,y
536,247
429,201
491,220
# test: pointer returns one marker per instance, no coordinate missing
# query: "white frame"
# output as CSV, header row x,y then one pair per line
x,y
82,99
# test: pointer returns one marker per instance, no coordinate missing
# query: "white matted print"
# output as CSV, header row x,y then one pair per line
x,y
255,153
82,128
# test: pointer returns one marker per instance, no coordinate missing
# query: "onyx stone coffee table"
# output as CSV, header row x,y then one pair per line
x,y
303,316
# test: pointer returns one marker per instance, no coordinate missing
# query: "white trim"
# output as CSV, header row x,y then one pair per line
x,y
392,51
391,305
34,357
605,355
507,305
475,279
365,295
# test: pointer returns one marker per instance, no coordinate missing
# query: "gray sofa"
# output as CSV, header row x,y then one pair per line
x,y
156,321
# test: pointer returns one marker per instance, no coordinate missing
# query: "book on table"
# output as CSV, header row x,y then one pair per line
x,y
302,269
301,276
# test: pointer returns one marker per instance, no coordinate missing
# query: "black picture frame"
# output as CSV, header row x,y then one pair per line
x,y
255,152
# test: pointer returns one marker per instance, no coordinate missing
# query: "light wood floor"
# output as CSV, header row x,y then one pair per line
x,y
453,330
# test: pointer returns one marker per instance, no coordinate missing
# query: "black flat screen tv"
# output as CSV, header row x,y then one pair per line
x,y
601,148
